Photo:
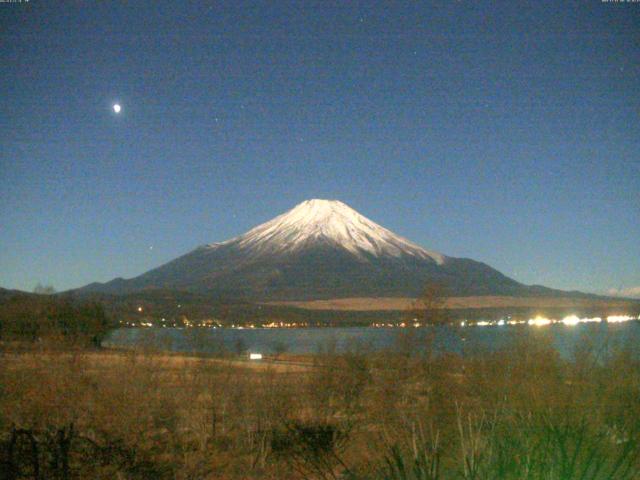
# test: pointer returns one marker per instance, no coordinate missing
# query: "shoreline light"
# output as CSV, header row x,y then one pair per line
x,y
539,321
619,318
571,320
516,322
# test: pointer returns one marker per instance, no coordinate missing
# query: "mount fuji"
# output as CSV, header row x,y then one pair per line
x,y
320,249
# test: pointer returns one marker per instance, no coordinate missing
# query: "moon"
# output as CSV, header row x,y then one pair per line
x,y
117,107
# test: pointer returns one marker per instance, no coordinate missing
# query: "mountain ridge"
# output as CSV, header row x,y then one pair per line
x,y
317,250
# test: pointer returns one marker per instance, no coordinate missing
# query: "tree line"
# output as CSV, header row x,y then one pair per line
x,y
37,318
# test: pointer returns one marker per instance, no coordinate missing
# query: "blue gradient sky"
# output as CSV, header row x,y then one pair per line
x,y
504,132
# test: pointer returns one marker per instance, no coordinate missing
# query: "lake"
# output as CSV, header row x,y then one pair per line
x,y
313,340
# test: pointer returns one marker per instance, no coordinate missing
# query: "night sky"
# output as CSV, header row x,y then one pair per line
x,y
507,132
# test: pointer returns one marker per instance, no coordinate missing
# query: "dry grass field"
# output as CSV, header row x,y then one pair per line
x,y
522,412
396,304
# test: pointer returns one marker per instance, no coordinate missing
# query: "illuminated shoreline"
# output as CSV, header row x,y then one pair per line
x,y
538,321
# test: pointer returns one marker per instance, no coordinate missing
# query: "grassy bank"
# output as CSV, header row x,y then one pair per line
x,y
522,412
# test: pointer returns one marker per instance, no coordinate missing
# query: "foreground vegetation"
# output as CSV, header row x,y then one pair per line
x,y
520,413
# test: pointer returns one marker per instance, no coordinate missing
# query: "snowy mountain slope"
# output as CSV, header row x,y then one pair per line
x,y
320,249
329,221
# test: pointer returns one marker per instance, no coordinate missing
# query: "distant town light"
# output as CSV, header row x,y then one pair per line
x,y
516,322
539,321
255,356
571,320
591,320
140,309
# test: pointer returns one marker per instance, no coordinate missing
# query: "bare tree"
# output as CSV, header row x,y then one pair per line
x,y
428,308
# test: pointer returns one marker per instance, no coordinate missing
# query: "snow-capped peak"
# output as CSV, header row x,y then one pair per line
x,y
329,221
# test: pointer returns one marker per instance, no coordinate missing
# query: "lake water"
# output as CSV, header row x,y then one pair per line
x,y
313,340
